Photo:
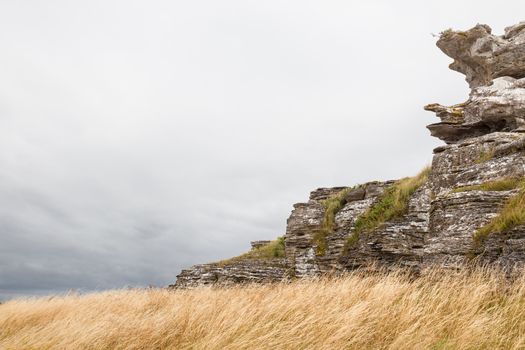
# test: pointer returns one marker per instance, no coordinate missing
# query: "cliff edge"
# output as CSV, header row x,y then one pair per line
x,y
469,206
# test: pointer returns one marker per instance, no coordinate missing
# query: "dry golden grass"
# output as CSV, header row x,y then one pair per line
x,y
441,310
505,184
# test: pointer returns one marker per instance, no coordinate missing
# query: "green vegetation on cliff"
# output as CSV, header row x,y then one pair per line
x,y
332,206
496,185
510,216
393,203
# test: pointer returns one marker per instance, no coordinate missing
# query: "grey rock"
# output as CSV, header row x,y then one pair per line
x,y
482,56
357,194
248,271
498,107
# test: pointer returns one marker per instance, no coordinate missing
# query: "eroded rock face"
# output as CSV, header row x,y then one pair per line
x,y
454,217
485,142
497,107
398,242
482,56
306,219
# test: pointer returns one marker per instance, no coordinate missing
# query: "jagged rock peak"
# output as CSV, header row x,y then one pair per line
x,y
495,69
482,56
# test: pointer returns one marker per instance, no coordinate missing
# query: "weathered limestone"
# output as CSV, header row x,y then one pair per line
x,y
248,271
482,56
462,164
498,107
485,141
398,242
454,217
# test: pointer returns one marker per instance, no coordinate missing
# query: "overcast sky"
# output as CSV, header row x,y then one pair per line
x,y
141,137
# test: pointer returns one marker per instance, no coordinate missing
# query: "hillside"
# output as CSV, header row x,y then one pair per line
x,y
468,207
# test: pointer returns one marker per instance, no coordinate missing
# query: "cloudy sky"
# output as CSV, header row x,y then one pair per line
x,y
140,137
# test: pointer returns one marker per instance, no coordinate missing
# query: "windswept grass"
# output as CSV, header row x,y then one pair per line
x,y
274,249
440,310
392,204
496,185
332,206
512,215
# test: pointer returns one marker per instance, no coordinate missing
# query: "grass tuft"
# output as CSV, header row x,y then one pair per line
x,y
446,32
272,250
392,204
497,185
332,206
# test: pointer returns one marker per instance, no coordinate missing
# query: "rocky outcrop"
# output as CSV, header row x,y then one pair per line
x,y
418,224
244,271
307,218
454,217
482,56
498,107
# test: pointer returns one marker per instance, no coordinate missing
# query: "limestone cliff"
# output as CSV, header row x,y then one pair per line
x,y
469,207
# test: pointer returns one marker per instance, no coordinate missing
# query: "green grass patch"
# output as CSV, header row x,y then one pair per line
x,y
332,206
272,250
393,203
497,185
510,216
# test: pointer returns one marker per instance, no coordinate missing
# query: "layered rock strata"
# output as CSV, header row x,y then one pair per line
x,y
484,143
247,271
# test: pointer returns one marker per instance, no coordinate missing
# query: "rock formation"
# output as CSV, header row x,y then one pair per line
x,y
498,107
482,56
469,207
